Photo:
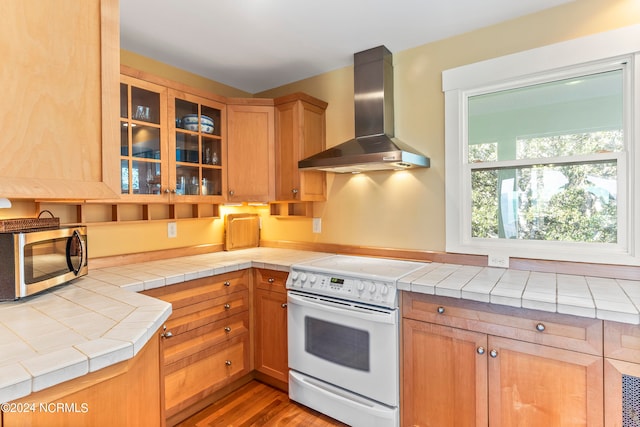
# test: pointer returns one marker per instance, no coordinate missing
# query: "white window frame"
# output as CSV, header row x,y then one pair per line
x,y
521,69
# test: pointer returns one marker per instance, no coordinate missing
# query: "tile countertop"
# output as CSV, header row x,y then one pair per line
x,y
595,297
100,319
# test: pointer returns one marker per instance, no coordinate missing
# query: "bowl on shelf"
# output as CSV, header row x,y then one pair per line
x,y
190,122
206,124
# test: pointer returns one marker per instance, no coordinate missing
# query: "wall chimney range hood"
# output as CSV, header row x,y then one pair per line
x,y
374,147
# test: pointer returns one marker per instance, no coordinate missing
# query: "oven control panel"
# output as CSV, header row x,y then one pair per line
x,y
350,288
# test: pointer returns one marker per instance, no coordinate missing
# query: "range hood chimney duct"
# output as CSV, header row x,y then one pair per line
x,y
374,147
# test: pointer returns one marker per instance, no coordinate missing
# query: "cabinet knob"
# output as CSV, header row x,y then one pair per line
x,y
227,306
493,353
440,310
294,192
231,192
227,329
540,327
227,362
227,283
167,191
283,305
271,280
480,350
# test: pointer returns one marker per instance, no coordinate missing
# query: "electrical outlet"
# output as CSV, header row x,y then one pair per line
x,y
496,260
172,230
317,225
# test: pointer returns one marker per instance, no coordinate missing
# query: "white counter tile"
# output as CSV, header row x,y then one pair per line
x,y
509,289
14,381
452,284
103,352
56,367
479,288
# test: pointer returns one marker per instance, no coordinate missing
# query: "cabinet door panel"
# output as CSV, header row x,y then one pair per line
x,y
300,133
271,334
535,385
60,75
444,376
251,157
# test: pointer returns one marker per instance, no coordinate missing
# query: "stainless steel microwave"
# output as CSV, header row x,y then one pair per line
x,y
32,261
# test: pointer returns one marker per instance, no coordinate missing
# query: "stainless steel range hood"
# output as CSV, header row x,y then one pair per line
x,y
374,147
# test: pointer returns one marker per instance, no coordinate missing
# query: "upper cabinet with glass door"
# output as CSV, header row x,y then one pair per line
x,y
143,140
197,151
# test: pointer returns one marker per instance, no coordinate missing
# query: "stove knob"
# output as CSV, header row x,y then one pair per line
x,y
360,286
372,287
384,290
312,278
303,277
294,275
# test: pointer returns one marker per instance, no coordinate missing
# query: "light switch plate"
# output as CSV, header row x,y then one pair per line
x,y
172,230
317,225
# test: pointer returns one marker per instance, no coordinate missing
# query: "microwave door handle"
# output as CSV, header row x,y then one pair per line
x,y
75,236
378,317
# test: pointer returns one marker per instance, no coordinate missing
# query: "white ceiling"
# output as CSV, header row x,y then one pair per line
x,y
255,45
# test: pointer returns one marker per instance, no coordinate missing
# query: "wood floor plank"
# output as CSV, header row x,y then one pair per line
x,y
258,405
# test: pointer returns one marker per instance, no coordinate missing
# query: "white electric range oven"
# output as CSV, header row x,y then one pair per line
x,y
343,337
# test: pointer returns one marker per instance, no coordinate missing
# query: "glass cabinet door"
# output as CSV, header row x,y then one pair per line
x,y
142,138
198,147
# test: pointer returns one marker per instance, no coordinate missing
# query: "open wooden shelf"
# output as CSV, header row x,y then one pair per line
x,y
291,209
117,213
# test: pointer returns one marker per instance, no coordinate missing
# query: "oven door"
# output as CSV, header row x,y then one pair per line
x,y
349,345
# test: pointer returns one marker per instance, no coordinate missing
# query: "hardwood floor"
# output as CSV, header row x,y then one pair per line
x,y
257,404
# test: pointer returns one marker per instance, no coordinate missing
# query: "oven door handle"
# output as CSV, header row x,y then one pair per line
x,y
378,315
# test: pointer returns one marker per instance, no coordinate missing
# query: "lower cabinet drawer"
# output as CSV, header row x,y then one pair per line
x,y
622,341
212,310
556,330
191,379
196,340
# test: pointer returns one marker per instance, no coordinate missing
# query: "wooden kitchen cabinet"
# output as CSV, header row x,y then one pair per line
x,y
622,374
197,150
300,133
59,102
144,169
444,380
163,157
271,326
541,368
209,343
125,394
251,155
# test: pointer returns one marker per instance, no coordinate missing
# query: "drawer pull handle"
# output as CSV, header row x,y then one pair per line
x,y
227,306
283,305
271,280
227,283
227,362
440,310
480,350
165,333
540,327
493,353
227,329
